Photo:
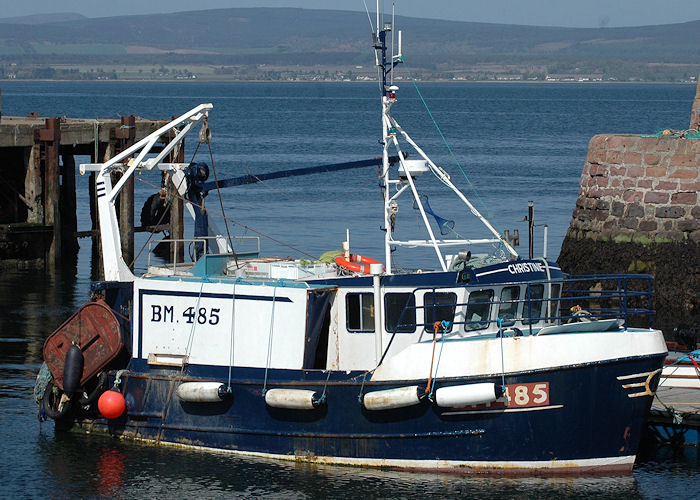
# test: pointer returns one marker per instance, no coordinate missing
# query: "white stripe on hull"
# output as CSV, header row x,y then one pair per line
x,y
606,464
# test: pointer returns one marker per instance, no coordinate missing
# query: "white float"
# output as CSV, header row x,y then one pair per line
x,y
457,396
392,398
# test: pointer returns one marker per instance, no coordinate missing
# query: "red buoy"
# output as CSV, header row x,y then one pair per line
x,y
111,404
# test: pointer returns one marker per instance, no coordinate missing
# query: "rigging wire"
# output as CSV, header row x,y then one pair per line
x,y
233,221
444,140
233,330
300,200
190,340
206,131
269,339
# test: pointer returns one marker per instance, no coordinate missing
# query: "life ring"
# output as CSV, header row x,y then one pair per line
x,y
357,263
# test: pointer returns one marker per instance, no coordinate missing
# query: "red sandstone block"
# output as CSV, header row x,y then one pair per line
x,y
684,198
682,147
600,215
684,173
632,196
588,204
651,159
656,171
602,181
614,157
617,171
630,158
628,183
597,141
615,183
683,160
613,142
665,145
648,225
647,144
644,183
690,186
688,225
635,171
655,197
666,186
629,142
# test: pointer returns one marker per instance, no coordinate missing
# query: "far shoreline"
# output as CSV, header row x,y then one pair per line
x,y
331,82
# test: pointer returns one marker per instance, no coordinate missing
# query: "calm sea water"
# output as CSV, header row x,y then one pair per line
x,y
515,142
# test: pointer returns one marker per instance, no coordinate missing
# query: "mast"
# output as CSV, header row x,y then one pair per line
x,y
408,170
388,97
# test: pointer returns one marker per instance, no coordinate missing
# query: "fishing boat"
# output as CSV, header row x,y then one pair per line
x,y
674,418
479,361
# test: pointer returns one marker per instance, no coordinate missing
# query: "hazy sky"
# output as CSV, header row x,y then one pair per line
x,y
574,13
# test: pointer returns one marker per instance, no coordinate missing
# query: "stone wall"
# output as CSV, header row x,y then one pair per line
x,y
695,112
639,189
638,212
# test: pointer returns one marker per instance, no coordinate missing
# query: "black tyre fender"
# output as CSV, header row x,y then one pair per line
x,y
51,402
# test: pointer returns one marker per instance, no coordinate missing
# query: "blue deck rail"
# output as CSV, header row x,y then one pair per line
x,y
627,297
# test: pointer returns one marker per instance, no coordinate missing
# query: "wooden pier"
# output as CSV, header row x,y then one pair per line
x,y
674,417
38,221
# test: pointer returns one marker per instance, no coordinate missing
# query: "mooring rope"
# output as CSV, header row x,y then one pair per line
x,y
444,324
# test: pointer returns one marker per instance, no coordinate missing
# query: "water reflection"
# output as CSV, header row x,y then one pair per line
x,y
96,466
33,304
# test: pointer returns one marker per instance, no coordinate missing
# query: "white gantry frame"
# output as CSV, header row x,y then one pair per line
x,y
115,269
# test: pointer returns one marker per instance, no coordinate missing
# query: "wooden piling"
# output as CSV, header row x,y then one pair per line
x,y
50,140
38,223
68,205
33,188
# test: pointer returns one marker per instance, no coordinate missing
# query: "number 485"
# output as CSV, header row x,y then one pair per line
x,y
202,315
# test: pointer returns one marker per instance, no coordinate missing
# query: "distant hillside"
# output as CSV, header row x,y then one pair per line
x,y
287,36
43,18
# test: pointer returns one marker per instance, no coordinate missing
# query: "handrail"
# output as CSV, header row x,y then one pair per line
x,y
204,241
623,301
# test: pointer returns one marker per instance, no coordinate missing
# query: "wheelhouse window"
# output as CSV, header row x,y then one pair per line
x,y
478,310
400,312
359,311
439,307
508,308
534,306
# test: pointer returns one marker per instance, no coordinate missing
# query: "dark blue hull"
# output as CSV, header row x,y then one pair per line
x,y
589,420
